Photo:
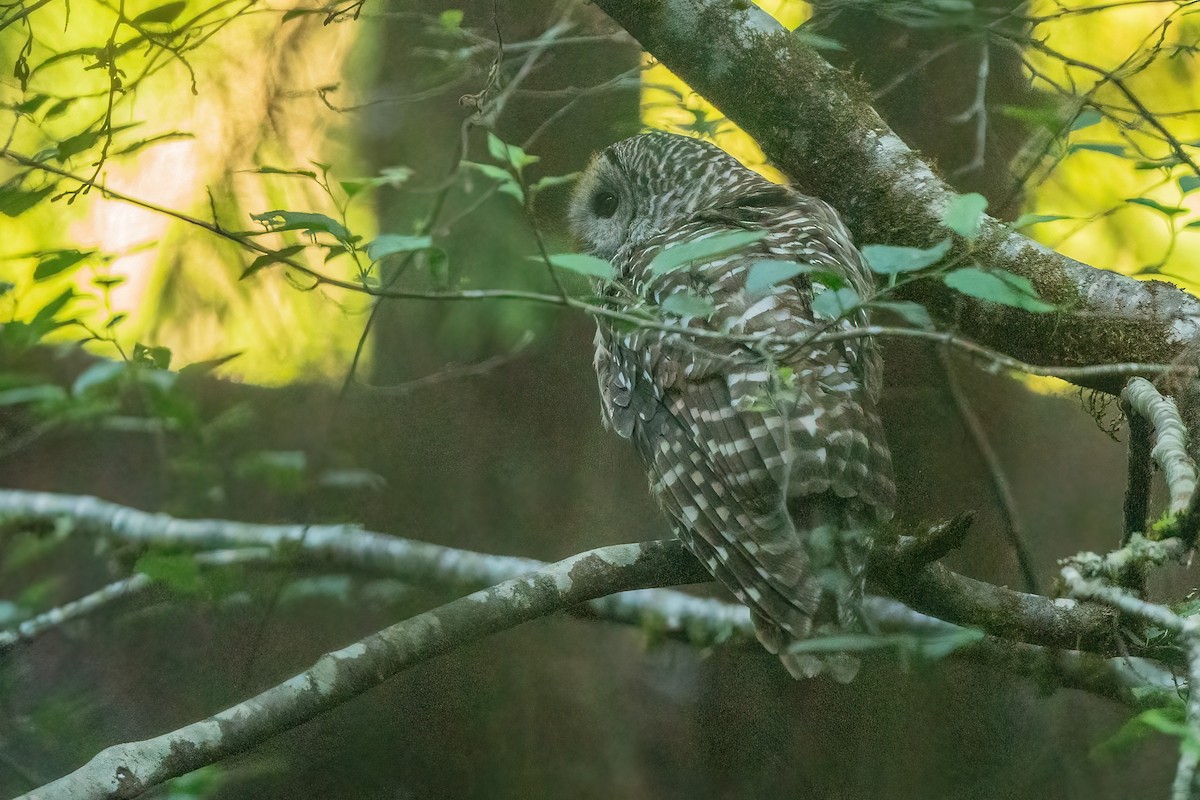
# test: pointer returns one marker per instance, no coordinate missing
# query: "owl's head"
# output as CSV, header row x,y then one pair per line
x,y
648,183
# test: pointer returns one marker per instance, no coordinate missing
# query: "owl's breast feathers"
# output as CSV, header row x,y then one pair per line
x,y
745,444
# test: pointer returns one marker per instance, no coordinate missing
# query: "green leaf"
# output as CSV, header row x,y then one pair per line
x,y
551,181
1026,220
99,375
997,286
1161,163
32,104
509,153
270,258
887,259
451,19
15,201
296,173
157,357
42,393
391,243
205,367
508,184
581,264
1193,224
709,247
178,570
394,177
133,147
1086,119
1189,183
1098,147
965,213
835,303
76,144
765,274
44,320
912,313
685,304
163,15
312,224
1169,720
58,261
1170,211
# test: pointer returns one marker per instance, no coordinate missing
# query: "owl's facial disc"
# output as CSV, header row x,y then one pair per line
x,y
602,209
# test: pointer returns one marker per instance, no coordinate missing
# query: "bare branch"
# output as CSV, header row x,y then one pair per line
x,y
128,770
901,570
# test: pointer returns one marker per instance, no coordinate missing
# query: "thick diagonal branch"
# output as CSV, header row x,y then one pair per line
x,y
816,124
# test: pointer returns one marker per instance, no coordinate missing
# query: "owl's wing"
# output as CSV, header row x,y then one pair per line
x,y
744,448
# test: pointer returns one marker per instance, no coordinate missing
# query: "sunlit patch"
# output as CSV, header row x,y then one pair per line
x,y
1102,170
670,104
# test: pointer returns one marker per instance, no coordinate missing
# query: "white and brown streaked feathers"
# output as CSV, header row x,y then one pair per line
x,y
770,460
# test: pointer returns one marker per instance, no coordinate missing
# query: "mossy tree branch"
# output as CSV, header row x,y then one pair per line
x,y
817,124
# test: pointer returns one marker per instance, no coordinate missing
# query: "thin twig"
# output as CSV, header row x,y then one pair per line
x,y
1006,502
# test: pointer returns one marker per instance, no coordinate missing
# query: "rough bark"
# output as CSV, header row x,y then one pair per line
x,y
816,123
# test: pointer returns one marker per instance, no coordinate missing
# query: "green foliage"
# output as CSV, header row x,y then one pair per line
x,y
997,286
912,313
311,223
1170,720
1027,220
161,15
277,257
706,248
965,214
581,264
765,274
835,303
509,153
686,304
451,18
887,259
1086,118
196,785
1162,208
54,262
390,244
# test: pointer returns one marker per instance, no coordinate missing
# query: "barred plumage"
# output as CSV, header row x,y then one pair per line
x,y
769,458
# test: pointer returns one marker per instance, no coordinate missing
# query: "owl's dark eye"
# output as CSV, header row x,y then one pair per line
x,y
604,203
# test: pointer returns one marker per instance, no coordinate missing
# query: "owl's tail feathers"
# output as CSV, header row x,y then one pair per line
x,y
841,667
826,594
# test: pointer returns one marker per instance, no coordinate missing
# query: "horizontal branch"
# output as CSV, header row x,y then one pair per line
x,y
128,770
816,124
702,620
900,570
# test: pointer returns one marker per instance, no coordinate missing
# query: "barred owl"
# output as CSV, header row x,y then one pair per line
x,y
768,456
